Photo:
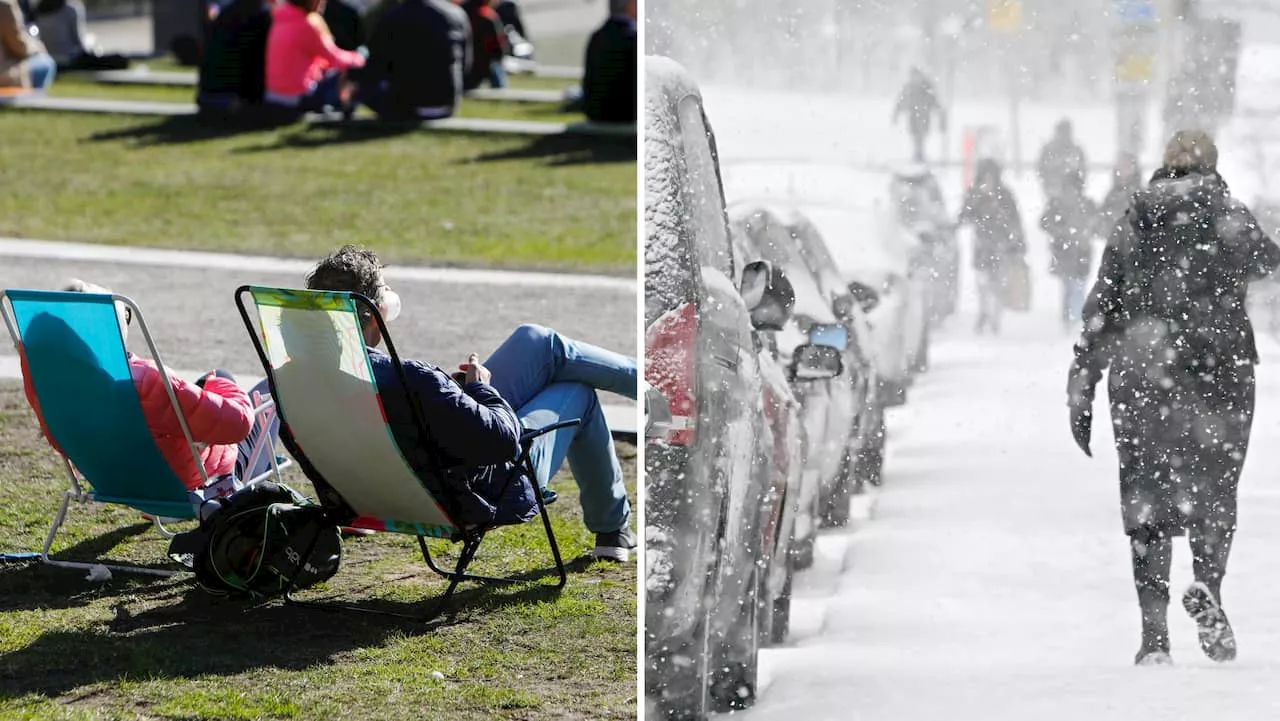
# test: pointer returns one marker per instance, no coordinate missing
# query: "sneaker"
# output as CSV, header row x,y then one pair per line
x,y
615,546
1217,640
549,496
1155,657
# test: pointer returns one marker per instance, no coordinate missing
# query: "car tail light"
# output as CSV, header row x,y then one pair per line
x,y
670,352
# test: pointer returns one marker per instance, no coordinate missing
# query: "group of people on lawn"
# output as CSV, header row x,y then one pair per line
x,y
420,57
474,416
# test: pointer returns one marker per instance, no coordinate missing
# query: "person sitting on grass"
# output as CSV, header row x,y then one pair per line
x,y
24,62
62,30
475,417
234,64
418,55
305,69
488,45
219,414
609,82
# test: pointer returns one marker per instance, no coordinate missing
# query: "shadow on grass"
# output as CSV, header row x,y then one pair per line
x,y
202,634
560,150
184,129
326,134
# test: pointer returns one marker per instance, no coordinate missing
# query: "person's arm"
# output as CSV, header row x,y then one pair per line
x,y
1255,252
322,45
12,34
471,422
219,413
1104,310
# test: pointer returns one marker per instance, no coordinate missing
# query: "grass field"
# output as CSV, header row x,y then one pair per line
x,y
81,85
162,649
564,203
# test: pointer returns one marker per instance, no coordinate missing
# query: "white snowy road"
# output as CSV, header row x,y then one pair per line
x,y
993,582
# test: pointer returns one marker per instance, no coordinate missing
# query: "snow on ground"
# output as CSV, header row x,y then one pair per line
x,y
992,578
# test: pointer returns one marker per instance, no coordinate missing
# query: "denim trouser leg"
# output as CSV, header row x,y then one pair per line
x,y
533,357
43,70
546,378
589,449
497,74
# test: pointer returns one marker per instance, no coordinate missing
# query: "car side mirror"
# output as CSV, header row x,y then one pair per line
x,y
864,295
768,294
657,415
815,363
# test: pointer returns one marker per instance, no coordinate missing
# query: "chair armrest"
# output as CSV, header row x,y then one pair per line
x,y
533,433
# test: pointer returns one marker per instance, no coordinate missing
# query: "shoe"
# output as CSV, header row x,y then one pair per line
x,y
1153,657
615,546
1217,640
549,496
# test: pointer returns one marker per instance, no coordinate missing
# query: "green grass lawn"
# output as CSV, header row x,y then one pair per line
x,y
560,203
80,85
138,648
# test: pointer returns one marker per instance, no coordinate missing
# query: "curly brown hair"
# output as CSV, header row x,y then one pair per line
x,y
349,269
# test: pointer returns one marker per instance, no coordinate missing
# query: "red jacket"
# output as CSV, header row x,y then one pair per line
x,y
220,415
299,50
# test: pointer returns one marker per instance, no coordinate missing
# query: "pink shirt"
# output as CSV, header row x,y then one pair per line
x,y
299,50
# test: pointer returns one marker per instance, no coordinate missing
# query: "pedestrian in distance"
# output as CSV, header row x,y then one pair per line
x,y
1167,318
1070,220
1062,165
919,102
998,239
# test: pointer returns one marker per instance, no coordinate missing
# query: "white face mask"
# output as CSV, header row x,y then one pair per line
x,y
388,304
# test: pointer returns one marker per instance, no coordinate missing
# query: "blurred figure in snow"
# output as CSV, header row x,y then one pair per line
x,y
1062,163
1070,219
919,100
1167,315
998,238
1125,181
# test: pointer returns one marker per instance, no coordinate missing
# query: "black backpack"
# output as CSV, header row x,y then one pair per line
x,y
260,542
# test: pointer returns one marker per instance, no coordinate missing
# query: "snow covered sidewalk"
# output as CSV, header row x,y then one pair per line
x,y
993,580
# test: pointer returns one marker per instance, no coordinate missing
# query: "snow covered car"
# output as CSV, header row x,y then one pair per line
x,y
706,490
877,256
921,210
829,407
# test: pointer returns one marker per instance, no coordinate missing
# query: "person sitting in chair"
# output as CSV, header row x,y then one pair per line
x,y
475,416
219,414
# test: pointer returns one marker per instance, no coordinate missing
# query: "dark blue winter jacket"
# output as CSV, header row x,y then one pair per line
x,y
471,444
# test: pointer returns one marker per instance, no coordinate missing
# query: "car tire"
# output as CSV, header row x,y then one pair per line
x,y
735,671
835,508
870,462
780,624
921,364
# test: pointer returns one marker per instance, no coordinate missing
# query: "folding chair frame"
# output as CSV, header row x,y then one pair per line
x,y
76,492
470,538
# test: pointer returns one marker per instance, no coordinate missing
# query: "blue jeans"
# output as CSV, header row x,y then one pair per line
x,y
1072,299
43,70
547,378
497,74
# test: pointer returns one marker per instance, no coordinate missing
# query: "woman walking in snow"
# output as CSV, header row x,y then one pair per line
x,y
998,238
1167,315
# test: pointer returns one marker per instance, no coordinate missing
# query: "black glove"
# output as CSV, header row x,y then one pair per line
x,y
1080,389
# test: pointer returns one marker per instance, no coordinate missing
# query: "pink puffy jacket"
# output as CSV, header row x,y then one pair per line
x,y
220,415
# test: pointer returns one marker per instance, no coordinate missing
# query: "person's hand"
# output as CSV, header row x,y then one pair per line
x,y
1080,391
475,372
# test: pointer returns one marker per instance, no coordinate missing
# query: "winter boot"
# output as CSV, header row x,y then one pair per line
x,y
1152,554
1154,657
1217,640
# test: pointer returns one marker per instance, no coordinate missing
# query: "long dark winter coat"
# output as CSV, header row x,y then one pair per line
x,y
1168,316
998,235
1070,220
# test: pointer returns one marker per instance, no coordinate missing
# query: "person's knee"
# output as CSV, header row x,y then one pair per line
x,y
532,334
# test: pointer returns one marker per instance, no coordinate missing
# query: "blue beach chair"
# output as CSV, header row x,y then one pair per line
x,y
79,369
316,361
